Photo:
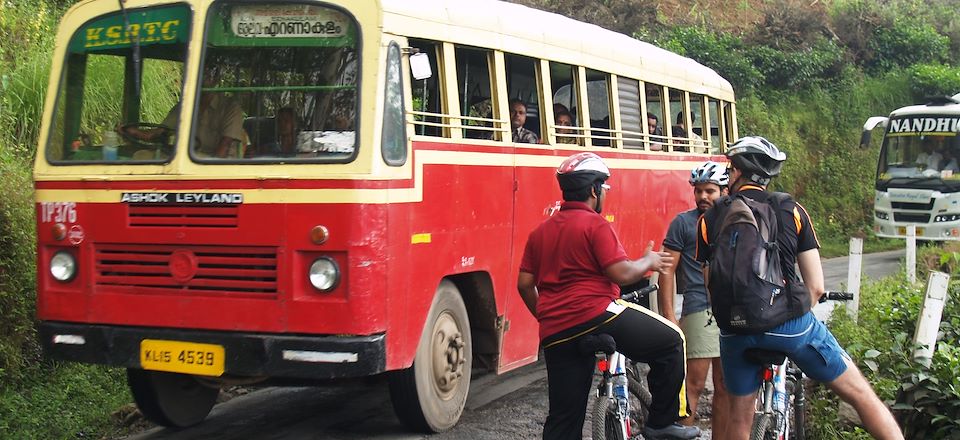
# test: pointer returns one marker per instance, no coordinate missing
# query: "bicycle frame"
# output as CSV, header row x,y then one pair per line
x,y
773,398
614,367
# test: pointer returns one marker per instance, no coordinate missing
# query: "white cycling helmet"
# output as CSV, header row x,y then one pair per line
x,y
581,170
710,172
758,158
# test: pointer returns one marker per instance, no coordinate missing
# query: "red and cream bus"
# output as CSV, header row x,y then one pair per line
x,y
361,208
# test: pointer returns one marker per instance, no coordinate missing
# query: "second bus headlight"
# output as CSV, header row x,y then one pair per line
x,y
324,274
63,267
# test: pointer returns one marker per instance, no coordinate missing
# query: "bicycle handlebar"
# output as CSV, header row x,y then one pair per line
x,y
635,295
836,296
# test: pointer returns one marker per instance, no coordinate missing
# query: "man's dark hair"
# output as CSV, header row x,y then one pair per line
x,y
652,116
693,117
516,101
578,195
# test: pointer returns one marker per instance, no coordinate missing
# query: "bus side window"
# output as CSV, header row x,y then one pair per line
x,y
522,84
716,135
655,116
598,98
473,81
631,122
426,93
563,85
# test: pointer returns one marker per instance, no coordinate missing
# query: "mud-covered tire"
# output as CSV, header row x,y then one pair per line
x,y
604,424
430,395
171,399
640,394
762,423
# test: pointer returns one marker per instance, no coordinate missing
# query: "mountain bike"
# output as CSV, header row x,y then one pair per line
x,y
781,401
622,402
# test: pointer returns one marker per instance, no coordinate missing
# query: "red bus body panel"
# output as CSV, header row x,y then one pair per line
x,y
254,258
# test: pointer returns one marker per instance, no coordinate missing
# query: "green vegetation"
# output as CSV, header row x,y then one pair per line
x,y
927,399
807,74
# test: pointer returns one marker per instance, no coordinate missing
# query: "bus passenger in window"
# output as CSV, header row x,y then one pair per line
x,y
930,157
518,117
565,119
655,132
680,142
285,143
696,140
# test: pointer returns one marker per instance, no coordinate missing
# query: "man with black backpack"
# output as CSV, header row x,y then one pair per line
x,y
750,243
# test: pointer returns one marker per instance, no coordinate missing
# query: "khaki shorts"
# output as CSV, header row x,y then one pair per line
x,y
703,341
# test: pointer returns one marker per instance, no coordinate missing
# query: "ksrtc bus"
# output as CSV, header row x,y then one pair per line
x,y
918,177
318,190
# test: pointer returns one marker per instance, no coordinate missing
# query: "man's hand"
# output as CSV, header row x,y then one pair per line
x,y
656,261
668,288
629,272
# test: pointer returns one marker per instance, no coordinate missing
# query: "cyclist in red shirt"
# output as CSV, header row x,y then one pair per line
x,y
572,267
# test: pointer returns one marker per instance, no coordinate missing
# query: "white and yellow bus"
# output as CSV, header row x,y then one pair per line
x,y
316,190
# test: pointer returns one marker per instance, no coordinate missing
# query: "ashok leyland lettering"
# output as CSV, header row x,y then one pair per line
x,y
918,176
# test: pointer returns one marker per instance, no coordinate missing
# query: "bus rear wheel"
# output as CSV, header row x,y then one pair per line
x,y
171,399
430,395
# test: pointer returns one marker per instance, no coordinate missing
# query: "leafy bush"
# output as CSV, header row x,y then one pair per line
x,y
906,42
17,266
926,400
722,52
934,80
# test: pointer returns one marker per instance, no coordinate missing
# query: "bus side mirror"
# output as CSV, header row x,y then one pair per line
x,y
872,123
420,66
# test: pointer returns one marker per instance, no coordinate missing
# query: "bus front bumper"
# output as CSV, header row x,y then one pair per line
x,y
246,354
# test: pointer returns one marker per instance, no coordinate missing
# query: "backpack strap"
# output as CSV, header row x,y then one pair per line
x,y
777,199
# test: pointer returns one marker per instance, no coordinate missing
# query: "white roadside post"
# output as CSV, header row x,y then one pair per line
x,y
925,337
853,276
911,254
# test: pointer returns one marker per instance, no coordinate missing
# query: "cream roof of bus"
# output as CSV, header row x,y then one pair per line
x,y
924,109
526,31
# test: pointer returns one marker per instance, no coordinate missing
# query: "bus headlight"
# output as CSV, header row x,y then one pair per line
x,y
324,274
63,267
946,218
882,215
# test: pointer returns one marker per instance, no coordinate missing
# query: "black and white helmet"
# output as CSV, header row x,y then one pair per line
x,y
710,172
758,158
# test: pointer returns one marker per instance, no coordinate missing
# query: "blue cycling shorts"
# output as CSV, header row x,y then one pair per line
x,y
804,339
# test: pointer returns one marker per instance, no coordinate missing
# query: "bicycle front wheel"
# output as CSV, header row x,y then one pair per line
x,y
762,427
605,422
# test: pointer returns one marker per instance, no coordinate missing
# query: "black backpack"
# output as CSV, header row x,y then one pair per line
x,y
748,291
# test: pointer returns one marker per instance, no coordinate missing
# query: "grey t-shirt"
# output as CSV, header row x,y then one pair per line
x,y
682,237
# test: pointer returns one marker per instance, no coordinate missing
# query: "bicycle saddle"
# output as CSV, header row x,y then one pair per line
x,y
591,344
764,357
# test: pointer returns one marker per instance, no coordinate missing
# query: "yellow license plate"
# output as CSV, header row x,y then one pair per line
x,y
902,230
182,357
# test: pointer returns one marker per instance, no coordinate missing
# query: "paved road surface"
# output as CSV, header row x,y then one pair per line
x,y
511,406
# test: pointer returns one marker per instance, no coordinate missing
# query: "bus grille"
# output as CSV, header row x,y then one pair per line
x,y
913,218
914,206
211,270
197,216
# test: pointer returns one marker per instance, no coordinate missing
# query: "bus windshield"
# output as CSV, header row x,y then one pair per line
x,y
112,78
292,70
919,159
278,82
